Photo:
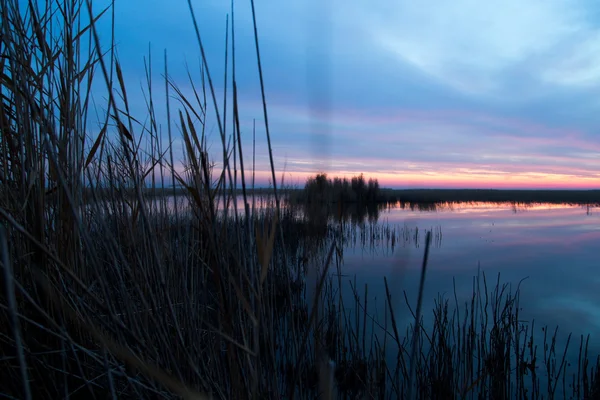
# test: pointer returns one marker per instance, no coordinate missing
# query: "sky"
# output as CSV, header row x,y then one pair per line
x,y
431,94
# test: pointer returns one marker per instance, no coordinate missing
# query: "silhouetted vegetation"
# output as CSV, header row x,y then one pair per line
x,y
321,189
132,296
324,200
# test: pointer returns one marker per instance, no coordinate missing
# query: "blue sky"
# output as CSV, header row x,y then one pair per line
x,y
420,94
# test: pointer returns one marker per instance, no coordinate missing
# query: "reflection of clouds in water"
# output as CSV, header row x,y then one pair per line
x,y
575,312
571,315
556,247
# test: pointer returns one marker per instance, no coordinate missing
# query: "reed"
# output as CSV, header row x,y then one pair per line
x,y
113,291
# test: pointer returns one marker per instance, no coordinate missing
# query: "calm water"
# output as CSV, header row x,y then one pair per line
x,y
557,247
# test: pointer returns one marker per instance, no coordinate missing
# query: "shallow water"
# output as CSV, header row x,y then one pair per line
x,y
556,247
551,251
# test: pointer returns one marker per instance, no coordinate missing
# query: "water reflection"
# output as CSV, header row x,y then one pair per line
x,y
362,213
555,246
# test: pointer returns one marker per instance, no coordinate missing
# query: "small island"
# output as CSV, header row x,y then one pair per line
x,y
321,189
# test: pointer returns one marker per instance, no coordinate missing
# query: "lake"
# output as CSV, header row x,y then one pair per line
x,y
549,251
556,247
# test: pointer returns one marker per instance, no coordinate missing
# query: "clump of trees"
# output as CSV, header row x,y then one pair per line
x,y
321,189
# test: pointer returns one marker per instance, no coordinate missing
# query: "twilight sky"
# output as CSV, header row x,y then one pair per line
x,y
429,93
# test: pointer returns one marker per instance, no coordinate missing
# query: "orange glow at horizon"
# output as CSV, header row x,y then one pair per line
x,y
430,179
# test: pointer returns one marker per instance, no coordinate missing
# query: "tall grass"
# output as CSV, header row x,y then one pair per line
x,y
111,291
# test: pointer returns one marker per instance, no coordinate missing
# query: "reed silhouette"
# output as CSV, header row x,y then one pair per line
x,y
110,291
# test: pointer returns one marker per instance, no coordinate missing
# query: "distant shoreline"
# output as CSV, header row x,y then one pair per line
x,y
442,195
496,195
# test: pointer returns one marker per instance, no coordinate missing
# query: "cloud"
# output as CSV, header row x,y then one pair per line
x,y
469,45
420,93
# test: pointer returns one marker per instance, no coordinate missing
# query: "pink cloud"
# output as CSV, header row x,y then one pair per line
x,y
419,148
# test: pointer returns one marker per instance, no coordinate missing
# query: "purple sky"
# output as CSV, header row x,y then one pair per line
x,y
420,94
